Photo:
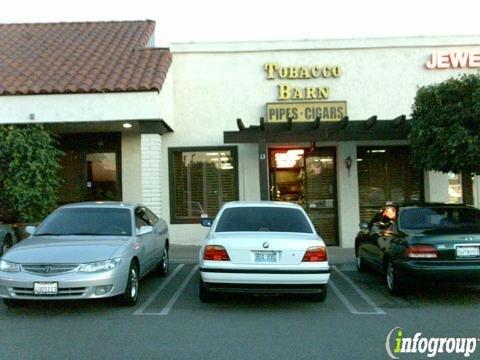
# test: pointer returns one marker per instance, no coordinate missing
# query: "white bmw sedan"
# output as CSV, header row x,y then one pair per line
x,y
262,247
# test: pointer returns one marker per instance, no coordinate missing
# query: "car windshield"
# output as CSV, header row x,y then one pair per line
x,y
441,219
87,221
262,218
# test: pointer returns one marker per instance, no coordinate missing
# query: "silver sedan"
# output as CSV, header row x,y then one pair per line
x,y
85,251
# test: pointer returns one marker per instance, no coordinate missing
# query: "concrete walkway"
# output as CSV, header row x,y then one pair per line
x,y
188,253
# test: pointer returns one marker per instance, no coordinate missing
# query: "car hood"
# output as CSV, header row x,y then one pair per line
x,y
64,249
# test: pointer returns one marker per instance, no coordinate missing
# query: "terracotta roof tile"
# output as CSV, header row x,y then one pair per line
x,y
81,57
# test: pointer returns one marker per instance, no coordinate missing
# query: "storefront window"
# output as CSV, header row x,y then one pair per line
x,y
386,174
201,181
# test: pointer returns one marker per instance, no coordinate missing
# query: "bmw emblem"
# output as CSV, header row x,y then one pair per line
x,y
265,245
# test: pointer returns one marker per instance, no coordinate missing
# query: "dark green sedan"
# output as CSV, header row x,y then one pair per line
x,y
428,242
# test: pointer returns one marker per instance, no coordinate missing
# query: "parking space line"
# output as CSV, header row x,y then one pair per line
x,y
152,297
359,291
179,292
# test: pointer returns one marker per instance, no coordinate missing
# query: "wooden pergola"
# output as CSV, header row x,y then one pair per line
x,y
266,133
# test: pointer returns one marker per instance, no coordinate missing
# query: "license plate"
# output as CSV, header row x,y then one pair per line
x,y
45,288
468,251
265,256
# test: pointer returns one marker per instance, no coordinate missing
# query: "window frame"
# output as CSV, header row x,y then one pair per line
x,y
171,168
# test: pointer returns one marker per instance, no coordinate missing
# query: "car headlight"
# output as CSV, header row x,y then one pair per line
x,y
98,266
9,266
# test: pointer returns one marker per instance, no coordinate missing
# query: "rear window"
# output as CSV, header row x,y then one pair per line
x,y
273,219
440,219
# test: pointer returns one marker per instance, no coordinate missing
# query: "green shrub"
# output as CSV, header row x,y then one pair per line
x,y
29,172
445,126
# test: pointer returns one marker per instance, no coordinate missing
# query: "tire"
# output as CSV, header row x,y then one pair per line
x,y
319,297
395,285
206,296
130,296
164,264
6,244
12,303
361,267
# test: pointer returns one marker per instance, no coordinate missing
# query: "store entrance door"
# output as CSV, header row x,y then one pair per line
x,y
90,167
307,177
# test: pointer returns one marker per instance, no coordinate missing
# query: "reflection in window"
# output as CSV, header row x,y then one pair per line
x,y
454,188
202,182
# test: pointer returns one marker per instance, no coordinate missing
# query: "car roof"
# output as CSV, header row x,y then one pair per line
x,y
281,204
106,204
427,204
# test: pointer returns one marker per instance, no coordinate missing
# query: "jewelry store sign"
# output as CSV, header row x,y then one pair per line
x,y
300,103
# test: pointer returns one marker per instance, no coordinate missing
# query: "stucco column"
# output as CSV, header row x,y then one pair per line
x,y
348,200
436,186
131,168
151,154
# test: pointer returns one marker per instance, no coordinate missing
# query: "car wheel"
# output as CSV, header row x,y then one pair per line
x,y
394,284
12,303
6,244
320,296
361,267
163,265
130,296
206,296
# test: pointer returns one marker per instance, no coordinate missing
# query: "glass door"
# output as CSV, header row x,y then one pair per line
x,y
307,177
102,179
321,193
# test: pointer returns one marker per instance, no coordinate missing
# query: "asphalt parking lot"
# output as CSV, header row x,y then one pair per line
x,y
170,322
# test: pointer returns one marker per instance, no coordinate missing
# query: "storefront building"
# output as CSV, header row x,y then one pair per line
x,y
183,130
321,123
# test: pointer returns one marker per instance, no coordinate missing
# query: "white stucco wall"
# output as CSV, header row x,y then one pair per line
x,y
131,167
80,107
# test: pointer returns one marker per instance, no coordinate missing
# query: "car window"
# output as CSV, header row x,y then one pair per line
x,y
263,218
87,221
152,218
440,219
140,218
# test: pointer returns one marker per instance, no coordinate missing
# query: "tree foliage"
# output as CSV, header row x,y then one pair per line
x,y
29,172
445,126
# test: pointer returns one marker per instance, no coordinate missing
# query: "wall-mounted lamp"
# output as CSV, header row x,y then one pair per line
x,y
348,164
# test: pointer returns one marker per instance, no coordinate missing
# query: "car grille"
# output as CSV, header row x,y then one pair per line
x,y
49,270
77,291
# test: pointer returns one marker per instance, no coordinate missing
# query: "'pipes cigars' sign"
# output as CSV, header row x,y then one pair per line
x,y
454,59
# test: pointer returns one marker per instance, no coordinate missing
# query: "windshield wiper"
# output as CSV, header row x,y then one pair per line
x,y
84,233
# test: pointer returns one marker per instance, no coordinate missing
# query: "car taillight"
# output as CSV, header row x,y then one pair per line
x,y
315,253
215,253
421,252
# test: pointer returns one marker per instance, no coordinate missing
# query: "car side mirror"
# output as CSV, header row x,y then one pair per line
x,y
144,230
364,226
30,229
207,222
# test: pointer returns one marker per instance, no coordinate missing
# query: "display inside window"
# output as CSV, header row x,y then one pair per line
x,y
203,180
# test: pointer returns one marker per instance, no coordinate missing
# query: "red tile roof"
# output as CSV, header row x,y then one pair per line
x,y
83,57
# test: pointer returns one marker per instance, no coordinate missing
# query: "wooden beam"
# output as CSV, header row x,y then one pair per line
x,y
262,123
289,123
344,122
399,121
240,124
371,121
